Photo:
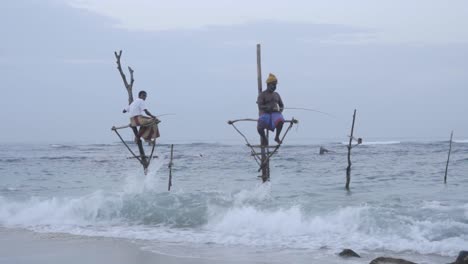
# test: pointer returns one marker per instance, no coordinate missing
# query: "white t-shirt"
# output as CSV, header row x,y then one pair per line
x,y
137,107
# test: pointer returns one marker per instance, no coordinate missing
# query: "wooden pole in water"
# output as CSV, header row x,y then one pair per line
x,y
129,88
169,185
448,158
259,69
348,169
266,168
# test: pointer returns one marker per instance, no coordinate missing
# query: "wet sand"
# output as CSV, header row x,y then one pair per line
x,y
18,246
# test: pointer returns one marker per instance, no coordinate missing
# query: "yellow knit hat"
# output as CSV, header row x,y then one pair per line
x,y
271,78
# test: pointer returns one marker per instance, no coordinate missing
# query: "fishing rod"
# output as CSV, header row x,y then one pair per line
x,y
165,114
311,110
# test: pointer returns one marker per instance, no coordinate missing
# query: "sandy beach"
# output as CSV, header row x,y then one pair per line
x,y
19,246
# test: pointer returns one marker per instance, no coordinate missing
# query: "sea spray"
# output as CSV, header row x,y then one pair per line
x,y
137,182
60,212
186,218
397,205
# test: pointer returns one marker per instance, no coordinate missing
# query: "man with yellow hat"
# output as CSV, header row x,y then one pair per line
x,y
270,106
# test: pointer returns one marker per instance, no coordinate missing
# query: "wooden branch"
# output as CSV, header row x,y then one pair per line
x,y
129,149
144,161
155,157
120,127
348,169
128,87
269,155
262,146
230,122
246,141
448,158
132,80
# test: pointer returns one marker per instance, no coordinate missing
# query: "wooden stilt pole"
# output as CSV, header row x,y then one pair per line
x,y
264,154
129,86
348,169
448,158
169,185
144,160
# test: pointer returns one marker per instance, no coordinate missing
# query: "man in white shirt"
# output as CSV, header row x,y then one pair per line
x,y
148,124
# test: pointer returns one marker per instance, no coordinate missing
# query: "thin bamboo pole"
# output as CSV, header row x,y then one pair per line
x,y
275,148
448,158
123,141
348,169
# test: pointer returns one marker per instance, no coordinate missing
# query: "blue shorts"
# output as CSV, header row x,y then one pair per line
x,y
270,120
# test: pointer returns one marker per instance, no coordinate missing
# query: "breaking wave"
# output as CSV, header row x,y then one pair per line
x,y
238,219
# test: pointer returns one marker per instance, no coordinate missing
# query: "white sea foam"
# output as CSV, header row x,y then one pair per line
x,y
465,208
60,146
56,211
460,140
260,193
9,189
355,227
361,228
375,143
435,205
137,183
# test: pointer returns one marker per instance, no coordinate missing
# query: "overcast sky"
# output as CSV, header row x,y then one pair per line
x,y
402,64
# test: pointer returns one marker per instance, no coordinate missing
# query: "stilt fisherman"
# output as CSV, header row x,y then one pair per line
x,y
148,124
270,107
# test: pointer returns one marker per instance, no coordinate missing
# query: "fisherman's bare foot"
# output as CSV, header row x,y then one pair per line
x,y
278,140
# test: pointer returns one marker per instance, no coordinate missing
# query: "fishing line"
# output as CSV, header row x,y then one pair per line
x,y
165,114
310,110
340,120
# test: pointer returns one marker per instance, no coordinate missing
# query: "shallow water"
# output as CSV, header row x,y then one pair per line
x,y
398,204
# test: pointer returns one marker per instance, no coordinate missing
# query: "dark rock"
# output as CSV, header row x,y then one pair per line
x,y
462,258
383,260
323,150
348,253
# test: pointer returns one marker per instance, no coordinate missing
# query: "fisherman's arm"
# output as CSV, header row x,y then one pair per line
x,y
149,114
280,103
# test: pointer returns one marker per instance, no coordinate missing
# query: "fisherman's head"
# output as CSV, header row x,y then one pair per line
x,y
271,82
142,95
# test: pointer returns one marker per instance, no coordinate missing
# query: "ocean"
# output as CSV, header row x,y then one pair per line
x,y
398,204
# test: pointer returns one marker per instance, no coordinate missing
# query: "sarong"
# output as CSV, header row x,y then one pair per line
x,y
270,120
148,127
